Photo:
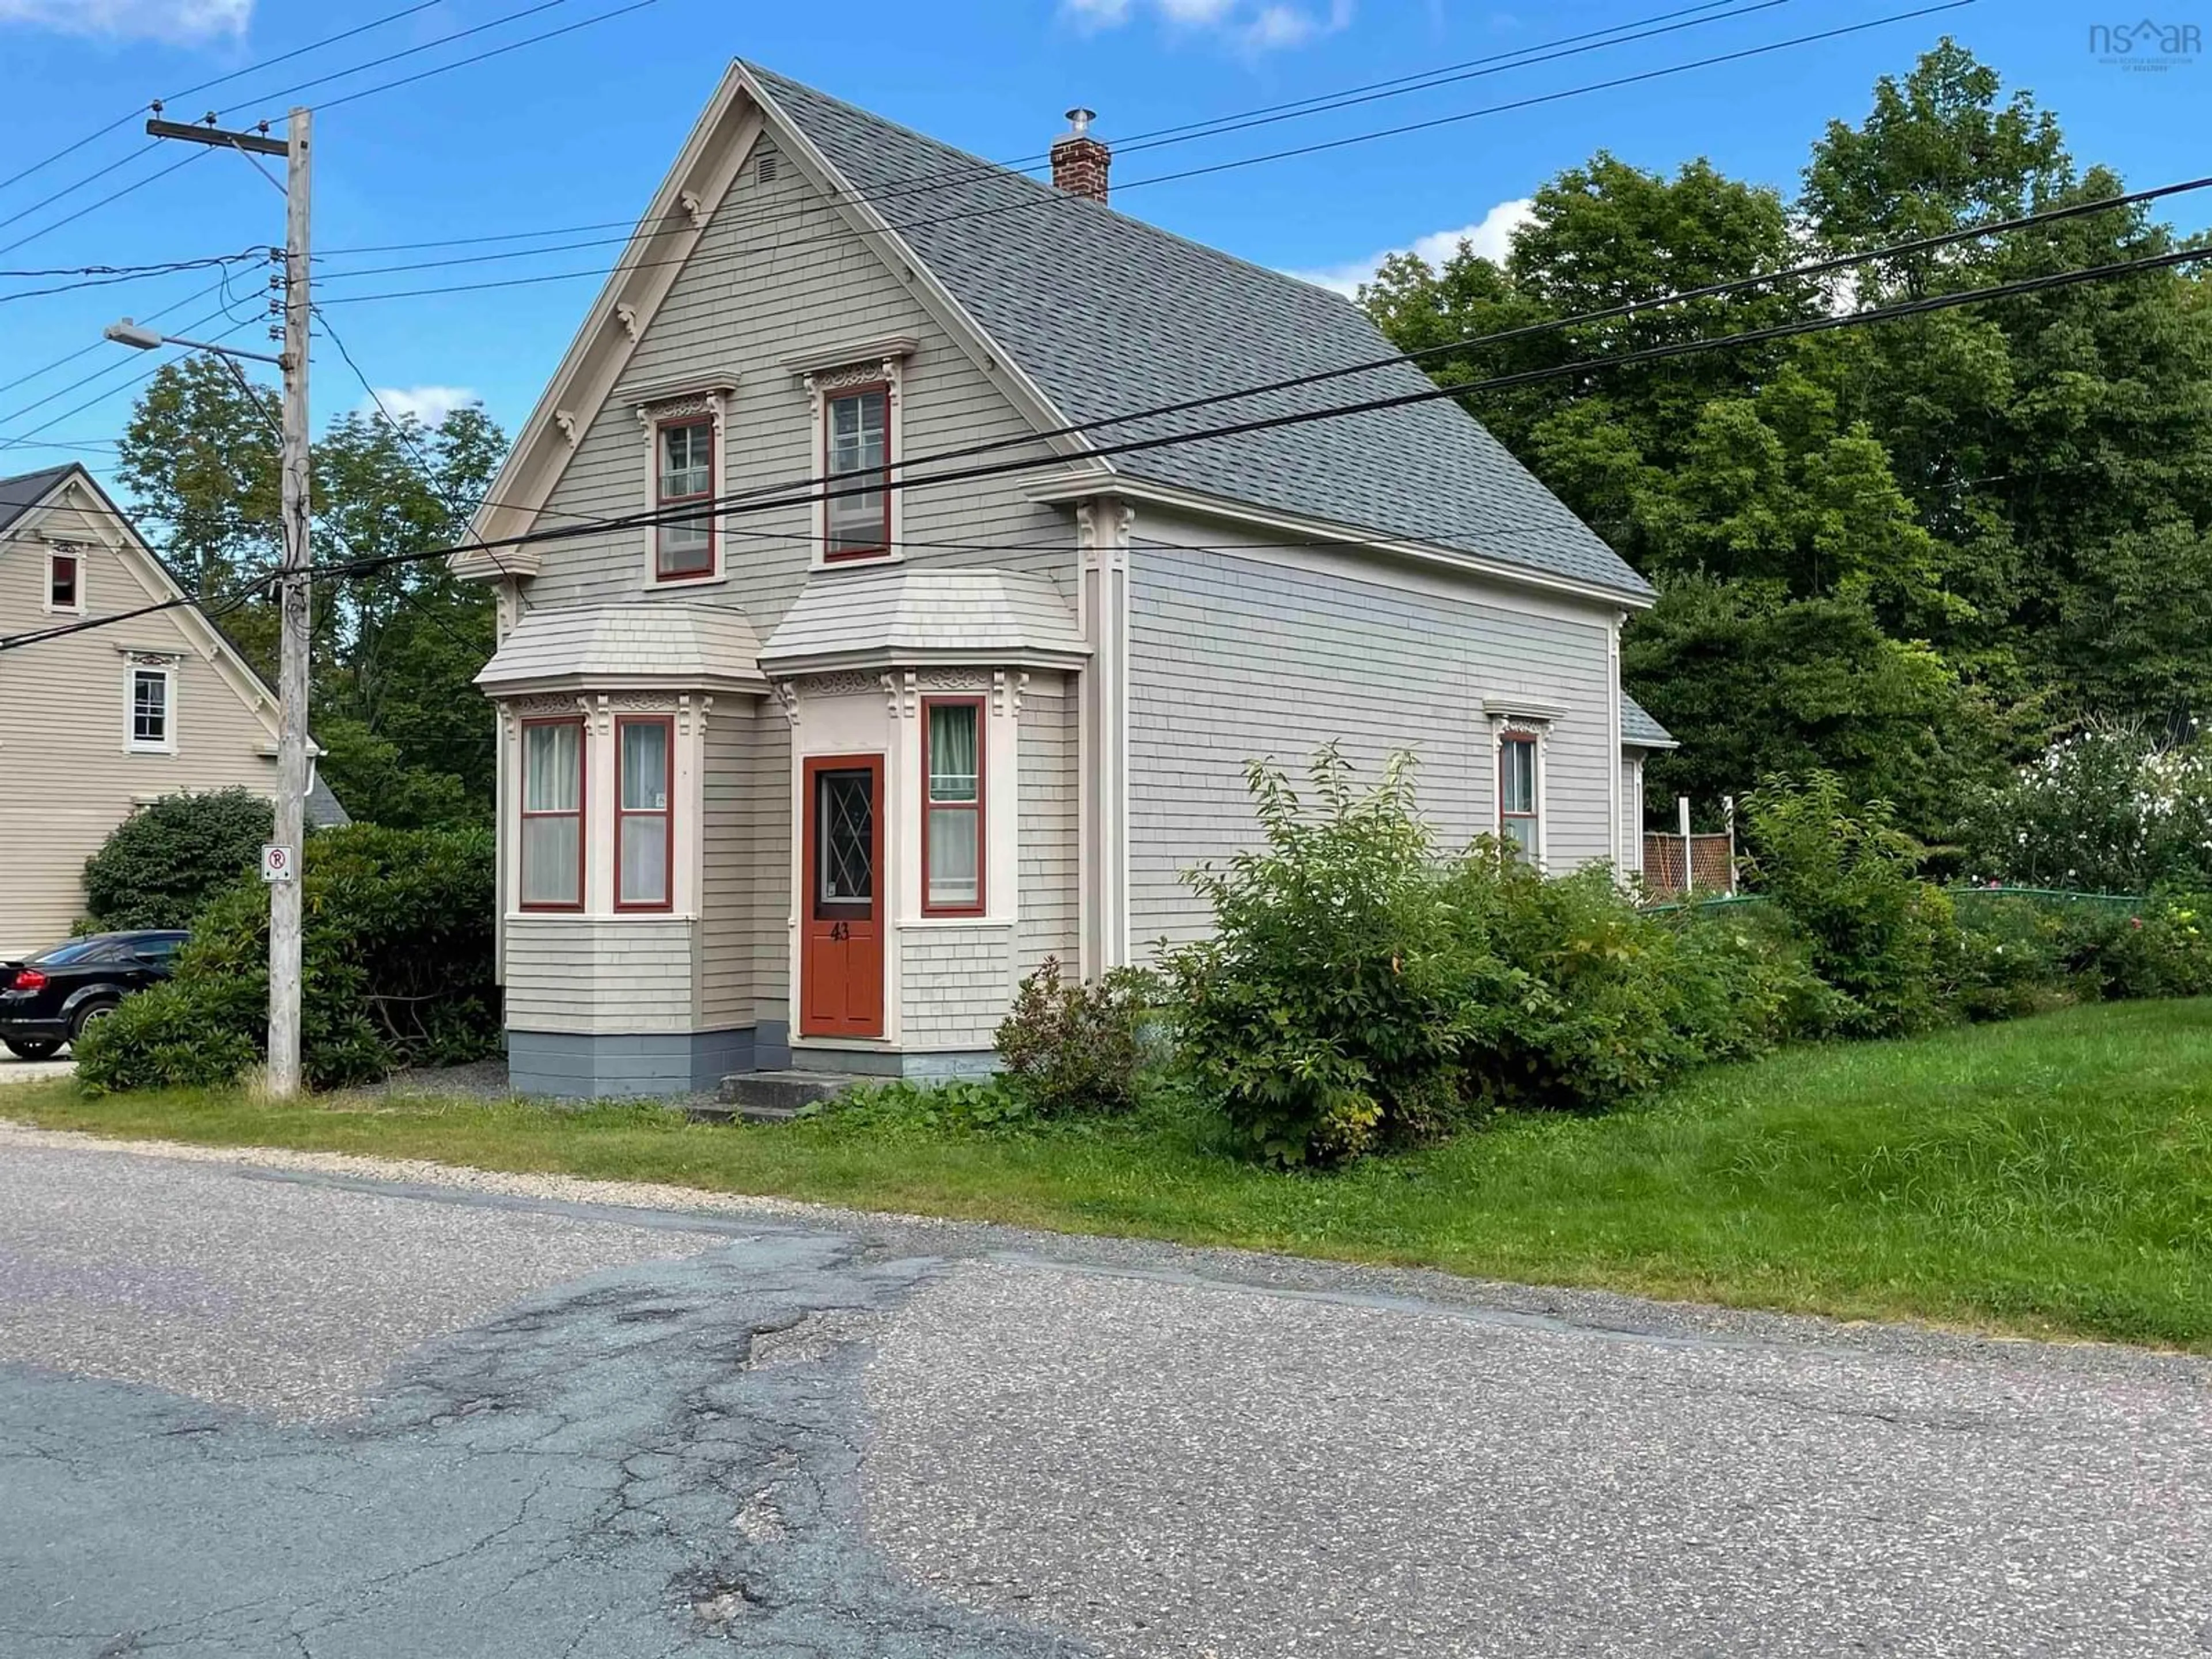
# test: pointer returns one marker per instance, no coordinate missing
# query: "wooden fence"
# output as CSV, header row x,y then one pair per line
x,y
1711,860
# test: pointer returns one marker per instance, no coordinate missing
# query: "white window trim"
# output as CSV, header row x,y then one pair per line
x,y
132,744
62,550
665,408
823,384
1522,727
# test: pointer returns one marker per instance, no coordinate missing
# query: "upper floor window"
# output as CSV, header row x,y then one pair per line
x,y
952,811
1518,822
645,835
552,852
856,462
65,582
152,713
684,472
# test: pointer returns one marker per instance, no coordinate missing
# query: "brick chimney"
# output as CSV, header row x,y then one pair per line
x,y
1078,161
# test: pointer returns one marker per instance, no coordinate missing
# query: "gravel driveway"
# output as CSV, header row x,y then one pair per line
x,y
300,1406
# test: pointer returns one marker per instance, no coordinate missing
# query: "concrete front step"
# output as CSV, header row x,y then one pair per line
x,y
774,1096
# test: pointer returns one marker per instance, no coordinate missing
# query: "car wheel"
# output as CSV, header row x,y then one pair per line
x,y
90,1014
28,1048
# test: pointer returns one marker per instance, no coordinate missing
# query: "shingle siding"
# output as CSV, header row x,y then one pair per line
x,y
1048,825
956,982
600,974
1231,658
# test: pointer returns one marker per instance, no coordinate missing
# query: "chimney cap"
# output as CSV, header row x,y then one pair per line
x,y
1079,121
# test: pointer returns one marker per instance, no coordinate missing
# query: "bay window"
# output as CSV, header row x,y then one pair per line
x,y
645,829
1518,821
856,461
952,806
552,849
684,472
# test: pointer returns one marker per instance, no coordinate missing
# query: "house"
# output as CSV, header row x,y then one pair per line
x,y
808,777
96,723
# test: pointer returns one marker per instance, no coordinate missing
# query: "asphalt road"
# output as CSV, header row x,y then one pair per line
x,y
283,1411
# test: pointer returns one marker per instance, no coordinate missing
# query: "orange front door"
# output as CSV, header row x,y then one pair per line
x,y
841,946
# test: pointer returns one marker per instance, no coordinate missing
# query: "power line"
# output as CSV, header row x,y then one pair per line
x,y
11,441
297,87
220,80
1059,200
1793,274
112,197
83,351
1827,323
496,51
109,275
973,168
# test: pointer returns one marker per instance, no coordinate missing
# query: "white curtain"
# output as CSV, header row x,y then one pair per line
x,y
955,777
552,783
642,857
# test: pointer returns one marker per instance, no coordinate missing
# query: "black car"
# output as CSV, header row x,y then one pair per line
x,y
49,999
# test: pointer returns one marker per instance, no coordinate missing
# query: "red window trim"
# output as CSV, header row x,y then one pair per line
x,y
661,503
523,815
829,402
1533,815
982,846
54,562
667,722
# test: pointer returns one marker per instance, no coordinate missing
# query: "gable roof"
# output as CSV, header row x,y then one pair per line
x,y
1106,314
19,494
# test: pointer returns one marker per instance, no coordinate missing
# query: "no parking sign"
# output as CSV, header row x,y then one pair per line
x,y
276,862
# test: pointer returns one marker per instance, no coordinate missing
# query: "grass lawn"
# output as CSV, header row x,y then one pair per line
x,y
2049,1176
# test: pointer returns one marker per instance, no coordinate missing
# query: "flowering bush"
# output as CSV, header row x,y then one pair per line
x,y
2106,810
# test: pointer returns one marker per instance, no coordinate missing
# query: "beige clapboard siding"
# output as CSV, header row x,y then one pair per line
x,y
589,973
1232,659
66,780
1048,825
726,862
738,307
956,982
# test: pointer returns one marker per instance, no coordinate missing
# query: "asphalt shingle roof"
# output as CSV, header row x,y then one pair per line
x,y
24,491
1638,728
1108,313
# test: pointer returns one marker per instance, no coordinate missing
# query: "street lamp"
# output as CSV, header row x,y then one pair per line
x,y
140,338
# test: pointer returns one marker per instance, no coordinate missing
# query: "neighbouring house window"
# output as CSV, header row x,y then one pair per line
x,y
952,820
686,473
644,829
153,710
553,815
63,578
856,444
1516,793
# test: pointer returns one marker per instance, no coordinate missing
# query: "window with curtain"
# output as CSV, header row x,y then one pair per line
x,y
1516,793
952,823
856,445
686,544
643,827
552,852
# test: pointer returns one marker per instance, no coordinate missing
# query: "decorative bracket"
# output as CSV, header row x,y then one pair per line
x,y
786,694
565,420
627,314
694,209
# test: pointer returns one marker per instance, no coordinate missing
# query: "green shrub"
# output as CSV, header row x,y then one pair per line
x,y
1329,1005
955,1106
2105,809
1845,875
2009,958
396,970
169,858
1077,1049
2161,949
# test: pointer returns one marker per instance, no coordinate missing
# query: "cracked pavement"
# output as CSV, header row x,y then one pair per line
x,y
296,1412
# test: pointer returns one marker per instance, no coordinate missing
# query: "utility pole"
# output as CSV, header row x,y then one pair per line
x,y
292,587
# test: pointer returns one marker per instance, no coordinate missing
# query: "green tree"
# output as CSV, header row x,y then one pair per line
x,y
394,648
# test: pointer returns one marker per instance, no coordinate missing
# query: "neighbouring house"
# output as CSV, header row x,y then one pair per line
x,y
97,722
809,777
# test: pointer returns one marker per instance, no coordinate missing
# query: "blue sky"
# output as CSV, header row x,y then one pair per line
x,y
577,129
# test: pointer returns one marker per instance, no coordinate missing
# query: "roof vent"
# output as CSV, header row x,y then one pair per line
x,y
1078,161
765,168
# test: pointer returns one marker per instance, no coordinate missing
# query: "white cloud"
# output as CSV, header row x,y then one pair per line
x,y
429,404
1491,237
182,20
1252,26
